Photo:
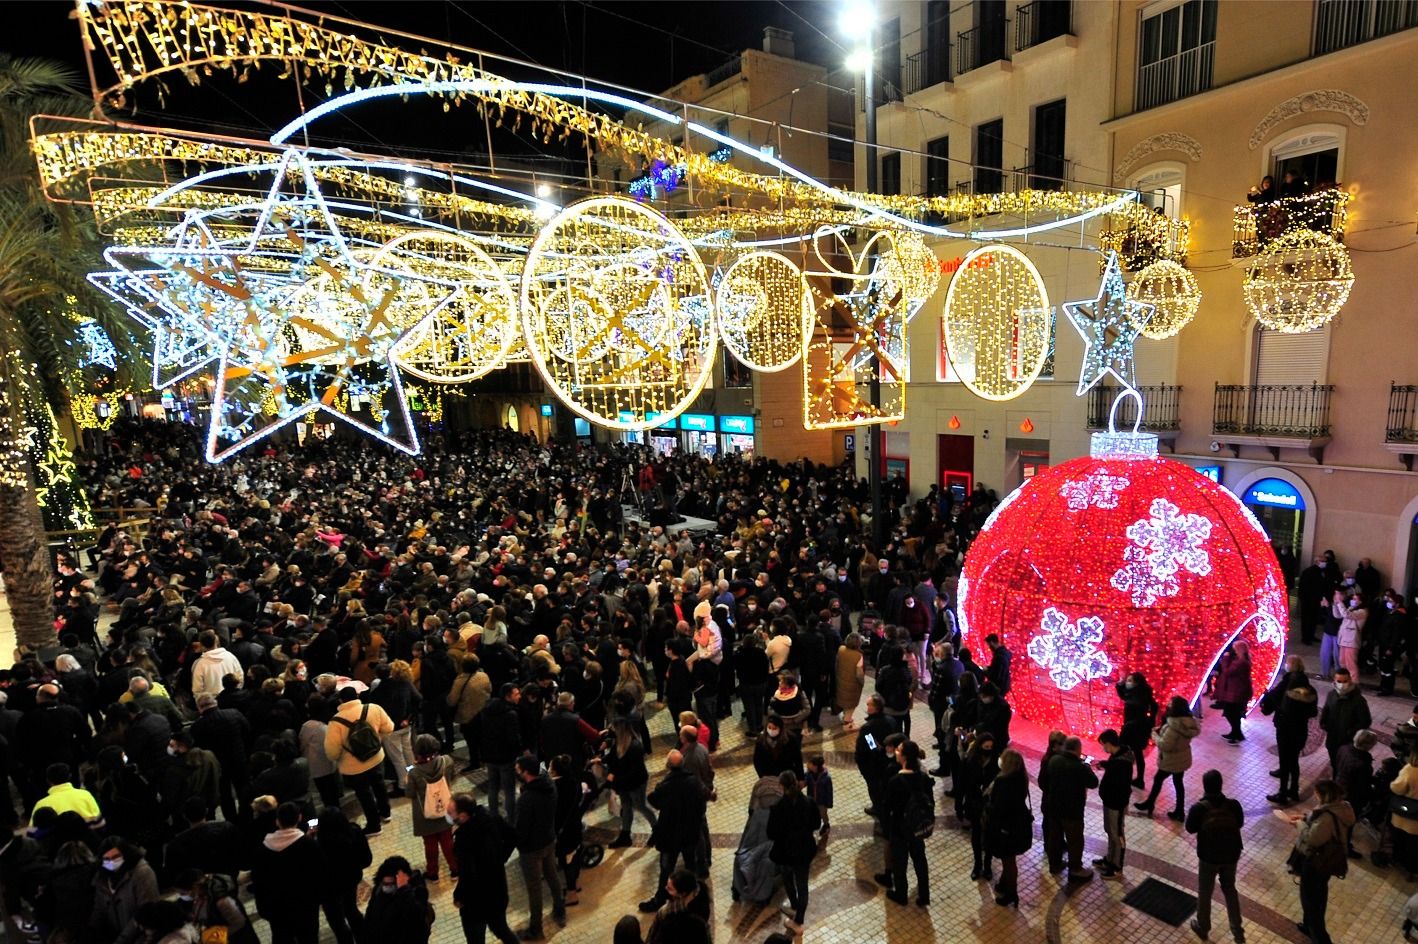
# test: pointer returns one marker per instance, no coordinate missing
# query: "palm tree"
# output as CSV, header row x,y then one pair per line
x,y
45,251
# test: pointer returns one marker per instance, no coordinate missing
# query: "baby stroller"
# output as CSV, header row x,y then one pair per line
x,y
593,784
755,875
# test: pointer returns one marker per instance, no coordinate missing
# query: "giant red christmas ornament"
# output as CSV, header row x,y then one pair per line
x,y
1116,563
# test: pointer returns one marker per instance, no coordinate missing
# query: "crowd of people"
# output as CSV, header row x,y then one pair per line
x,y
482,631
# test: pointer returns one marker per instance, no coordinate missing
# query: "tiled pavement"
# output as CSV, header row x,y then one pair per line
x,y
846,905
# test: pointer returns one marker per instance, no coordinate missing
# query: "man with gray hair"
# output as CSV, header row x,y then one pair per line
x,y
226,733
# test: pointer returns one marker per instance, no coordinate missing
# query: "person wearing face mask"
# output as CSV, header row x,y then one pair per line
x,y
123,884
189,772
398,912
1139,713
1351,629
1345,714
776,750
1394,639
1316,584
285,863
484,842
751,665
1292,702
429,789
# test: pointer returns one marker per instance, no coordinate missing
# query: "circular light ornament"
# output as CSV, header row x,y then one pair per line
x,y
471,334
760,306
617,314
1172,292
1299,282
996,322
911,267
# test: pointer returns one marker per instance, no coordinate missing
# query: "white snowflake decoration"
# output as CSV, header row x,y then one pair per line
x,y
1099,489
1163,544
1269,631
98,349
1070,650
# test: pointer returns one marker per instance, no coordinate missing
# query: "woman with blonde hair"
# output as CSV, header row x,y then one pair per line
x,y
1009,824
401,701
851,675
629,680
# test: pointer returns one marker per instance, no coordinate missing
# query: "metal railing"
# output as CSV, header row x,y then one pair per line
x,y
1142,239
1044,175
1162,406
1174,77
1342,23
1253,225
726,71
1039,22
930,66
1402,426
1289,410
980,46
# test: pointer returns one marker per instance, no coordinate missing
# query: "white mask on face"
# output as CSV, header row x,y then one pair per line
x,y
113,865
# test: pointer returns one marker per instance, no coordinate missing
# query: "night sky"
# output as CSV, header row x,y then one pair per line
x,y
647,46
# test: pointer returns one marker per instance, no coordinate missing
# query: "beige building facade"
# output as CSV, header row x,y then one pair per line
x,y
1191,103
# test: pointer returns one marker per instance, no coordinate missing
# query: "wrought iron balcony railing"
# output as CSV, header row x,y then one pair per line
x,y
1402,426
1176,76
1253,225
1162,404
1042,175
930,66
980,46
1285,411
1341,23
1141,239
1041,21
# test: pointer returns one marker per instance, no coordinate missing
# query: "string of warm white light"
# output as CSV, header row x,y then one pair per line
x,y
1298,282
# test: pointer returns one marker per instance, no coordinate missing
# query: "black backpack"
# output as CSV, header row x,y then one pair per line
x,y
362,740
920,811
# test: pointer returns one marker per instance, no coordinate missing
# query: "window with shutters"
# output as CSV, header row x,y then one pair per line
x,y
1291,358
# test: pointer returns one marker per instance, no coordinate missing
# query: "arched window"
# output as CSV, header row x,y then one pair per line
x,y
1161,187
509,418
1316,152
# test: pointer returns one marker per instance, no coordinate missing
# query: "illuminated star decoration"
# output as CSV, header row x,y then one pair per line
x,y
98,348
1109,325
177,352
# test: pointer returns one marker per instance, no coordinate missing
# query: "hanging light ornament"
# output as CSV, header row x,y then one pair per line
x,y
616,313
911,269
761,306
1299,282
1172,292
996,322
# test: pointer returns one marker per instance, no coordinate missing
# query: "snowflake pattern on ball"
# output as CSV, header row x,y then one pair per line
x,y
1070,650
1098,489
1163,544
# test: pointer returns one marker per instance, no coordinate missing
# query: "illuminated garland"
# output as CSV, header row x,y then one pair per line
x,y
996,322
1255,225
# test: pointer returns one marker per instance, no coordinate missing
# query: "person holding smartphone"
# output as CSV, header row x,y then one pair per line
x,y
871,761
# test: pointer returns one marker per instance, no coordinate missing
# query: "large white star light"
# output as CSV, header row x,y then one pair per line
x,y
177,352
1109,325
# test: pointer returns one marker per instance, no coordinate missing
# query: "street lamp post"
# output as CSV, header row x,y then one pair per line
x,y
854,22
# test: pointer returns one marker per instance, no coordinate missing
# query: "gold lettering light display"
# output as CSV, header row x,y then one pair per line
x,y
996,322
762,303
617,315
1298,282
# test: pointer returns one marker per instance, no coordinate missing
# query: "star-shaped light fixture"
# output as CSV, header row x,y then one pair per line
x,y
1109,325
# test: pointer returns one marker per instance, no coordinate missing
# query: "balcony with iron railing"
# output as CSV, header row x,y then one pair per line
x,y
980,46
1041,175
1166,80
1273,416
930,66
1401,429
1041,21
1343,23
1253,225
1141,238
1161,411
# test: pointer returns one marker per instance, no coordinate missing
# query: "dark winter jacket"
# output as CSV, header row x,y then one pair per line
x,y
1115,790
681,798
481,846
1217,822
791,824
1344,716
500,732
1070,779
536,814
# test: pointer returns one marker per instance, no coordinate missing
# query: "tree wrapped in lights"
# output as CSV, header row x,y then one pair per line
x,y
1114,563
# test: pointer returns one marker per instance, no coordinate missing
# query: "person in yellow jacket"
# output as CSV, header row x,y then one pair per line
x,y
64,797
361,769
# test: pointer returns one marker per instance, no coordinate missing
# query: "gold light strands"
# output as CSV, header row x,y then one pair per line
x,y
1298,282
1109,325
996,322
617,314
470,335
1172,292
910,268
761,304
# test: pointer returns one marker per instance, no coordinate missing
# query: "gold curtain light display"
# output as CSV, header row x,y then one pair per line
x,y
762,304
1298,282
996,322
617,315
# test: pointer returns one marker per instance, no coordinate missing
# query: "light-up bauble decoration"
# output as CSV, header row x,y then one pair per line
x,y
1299,282
617,313
1172,292
1114,563
996,322
760,306
472,334
910,268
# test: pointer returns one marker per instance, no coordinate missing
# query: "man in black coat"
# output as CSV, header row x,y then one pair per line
x,y
226,733
1216,822
482,843
1070,779
1345,714
565,732
499,744
1317,582
999,669
213,846
1115,792
681,799
1291,702
436,676
870,749
287,862
536,845
50,733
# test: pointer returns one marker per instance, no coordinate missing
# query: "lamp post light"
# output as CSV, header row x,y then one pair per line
x,y
858,21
